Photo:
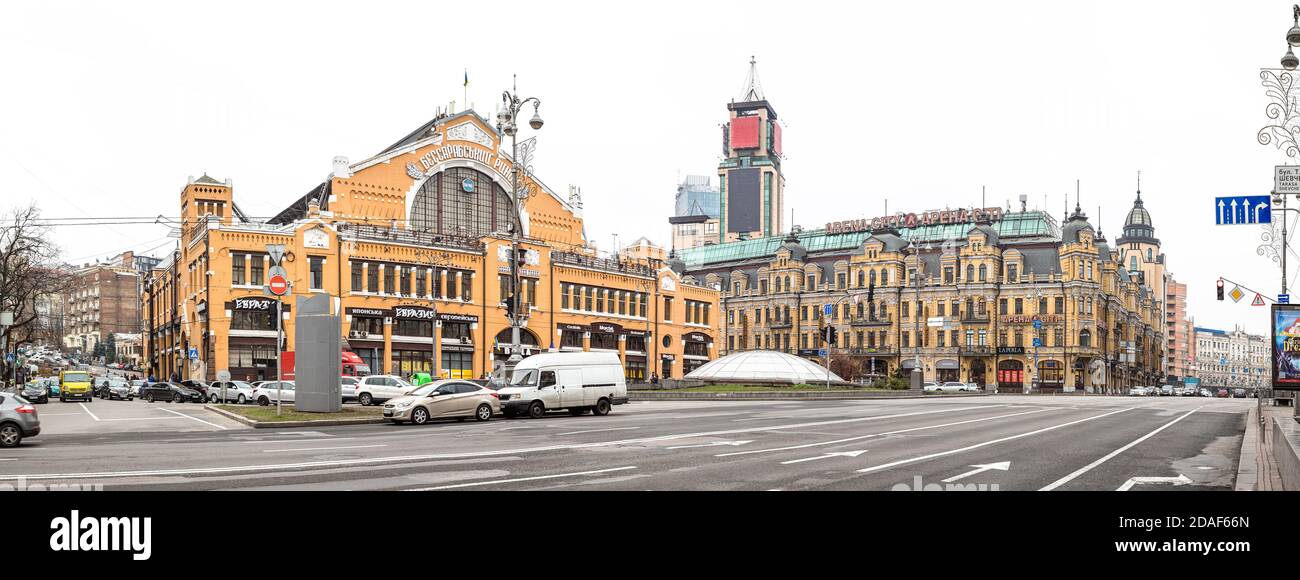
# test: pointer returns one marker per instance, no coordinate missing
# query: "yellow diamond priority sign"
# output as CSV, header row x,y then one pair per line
x,y
1237,294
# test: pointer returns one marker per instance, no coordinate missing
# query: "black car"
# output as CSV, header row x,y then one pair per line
x,y
113,388
170,392
36,393
199,386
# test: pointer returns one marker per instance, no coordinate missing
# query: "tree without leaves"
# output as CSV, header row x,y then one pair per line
x,y
29,272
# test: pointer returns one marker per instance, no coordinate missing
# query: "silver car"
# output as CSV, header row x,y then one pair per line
x,y
17,420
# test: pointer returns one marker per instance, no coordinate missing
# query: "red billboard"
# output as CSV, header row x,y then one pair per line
x,y
744,133
776,139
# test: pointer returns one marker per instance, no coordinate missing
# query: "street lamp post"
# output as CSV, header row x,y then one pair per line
x,y
506,124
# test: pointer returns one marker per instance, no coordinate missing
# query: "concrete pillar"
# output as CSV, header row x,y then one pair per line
x,y
437,349
586,341
388,346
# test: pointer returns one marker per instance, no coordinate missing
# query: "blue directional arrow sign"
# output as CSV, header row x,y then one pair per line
x,y
1242,209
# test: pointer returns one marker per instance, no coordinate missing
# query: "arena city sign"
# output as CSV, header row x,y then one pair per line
x,y
911,220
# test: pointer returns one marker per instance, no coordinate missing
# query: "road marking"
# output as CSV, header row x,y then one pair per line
x,y
1180,480
87,410
826,456
598,430
195,418
10,459
438,456
497,481
1001,466
321,448
59,414
1112,454
714,444
987,443
141,419
860,437
261,442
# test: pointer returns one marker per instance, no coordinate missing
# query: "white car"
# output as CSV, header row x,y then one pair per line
x,y
265,392
956,387
576,381
379,388
1137,392
349,388
930,387
236,392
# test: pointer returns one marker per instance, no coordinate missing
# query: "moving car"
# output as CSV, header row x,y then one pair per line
x,y
267,392
17,420
171,392
577,381
75,385
114,388
444,399
236,392
1167,391
36,392
379,388
1137,392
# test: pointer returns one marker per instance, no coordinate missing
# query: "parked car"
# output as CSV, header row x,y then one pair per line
x,y
1137,392
930,387
195,385
1151,391
267,392
134,389
444,399
577,381
348,389
1167,391
17,420
1239,393
1221,393
1206,392
114,388
236,392
171,392
956,387
379,388
36,392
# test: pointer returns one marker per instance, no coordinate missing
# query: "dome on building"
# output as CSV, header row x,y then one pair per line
x,y
1078,222
797,251
1138,228
763,366
1138,216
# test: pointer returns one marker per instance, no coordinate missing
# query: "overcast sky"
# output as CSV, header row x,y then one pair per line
x,y
108,107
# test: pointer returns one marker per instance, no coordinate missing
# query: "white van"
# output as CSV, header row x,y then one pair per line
x,y
577,381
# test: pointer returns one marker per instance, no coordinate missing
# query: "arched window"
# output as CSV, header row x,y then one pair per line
x,y
984,272
788,287
970,272
778,283
460,202
1090,306
862,278
873,277
884,277
1085,338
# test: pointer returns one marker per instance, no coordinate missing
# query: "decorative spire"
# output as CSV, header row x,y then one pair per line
x,y
1139,199
753,89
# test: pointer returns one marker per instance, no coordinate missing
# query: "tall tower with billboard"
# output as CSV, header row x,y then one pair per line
x,y
751,186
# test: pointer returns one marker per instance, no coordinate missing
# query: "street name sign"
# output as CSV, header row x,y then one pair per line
x,y
1286,179
1242,209
1283,298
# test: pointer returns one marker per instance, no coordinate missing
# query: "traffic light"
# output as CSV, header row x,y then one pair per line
x,y
832,335
1220,288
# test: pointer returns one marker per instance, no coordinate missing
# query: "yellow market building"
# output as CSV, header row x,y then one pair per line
x,y
413,246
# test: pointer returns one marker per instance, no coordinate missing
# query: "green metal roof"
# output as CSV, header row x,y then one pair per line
x,y
1012,225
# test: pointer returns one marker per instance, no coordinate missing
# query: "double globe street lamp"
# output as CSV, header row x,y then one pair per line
x,y
506,124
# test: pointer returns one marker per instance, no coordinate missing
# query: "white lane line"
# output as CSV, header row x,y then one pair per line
x,y
87,410
10,459
321,448
598,430
59,414
846,440
987,443
498,481
195,418
438,456
263,442
142,419
1112,454
826,456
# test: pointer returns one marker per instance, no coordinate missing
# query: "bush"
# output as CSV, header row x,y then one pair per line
x,y
892,383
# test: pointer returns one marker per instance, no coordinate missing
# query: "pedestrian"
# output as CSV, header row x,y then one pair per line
x,y
654,378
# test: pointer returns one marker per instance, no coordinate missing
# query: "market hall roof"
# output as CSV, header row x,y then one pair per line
x,y
1014,226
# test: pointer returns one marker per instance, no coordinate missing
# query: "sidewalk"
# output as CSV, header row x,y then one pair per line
x,y
1269,471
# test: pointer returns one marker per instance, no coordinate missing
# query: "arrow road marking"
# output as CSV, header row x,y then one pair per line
x,y
1223,218
826,456
1180,480
1112,454
496,481
714,444
1001,466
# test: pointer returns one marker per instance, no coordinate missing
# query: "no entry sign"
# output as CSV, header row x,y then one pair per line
x,y
278,285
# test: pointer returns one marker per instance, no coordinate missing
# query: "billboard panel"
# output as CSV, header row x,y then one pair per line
x,y
776,139
744,133
1286,346
744,200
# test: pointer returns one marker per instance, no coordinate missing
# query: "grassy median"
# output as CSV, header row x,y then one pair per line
x,y
288,413
727,388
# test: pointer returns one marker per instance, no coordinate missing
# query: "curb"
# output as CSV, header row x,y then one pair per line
x,y
291,424
779,396
1248,459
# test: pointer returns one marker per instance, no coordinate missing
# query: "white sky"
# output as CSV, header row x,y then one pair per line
x,y
107,108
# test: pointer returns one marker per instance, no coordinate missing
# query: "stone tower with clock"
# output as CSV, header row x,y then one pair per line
x,y
751,186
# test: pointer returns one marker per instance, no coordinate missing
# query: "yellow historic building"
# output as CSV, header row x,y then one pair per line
x,y
1011,300
413,244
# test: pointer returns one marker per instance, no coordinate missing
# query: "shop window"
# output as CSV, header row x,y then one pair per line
x,y
456,330
358,268
316,267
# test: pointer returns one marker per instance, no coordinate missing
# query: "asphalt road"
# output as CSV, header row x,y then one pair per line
x,y
994,442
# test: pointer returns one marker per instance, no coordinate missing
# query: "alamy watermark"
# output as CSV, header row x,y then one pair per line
x,y
22,485
918,485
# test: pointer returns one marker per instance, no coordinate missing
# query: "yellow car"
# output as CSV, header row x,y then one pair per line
x,y
75,385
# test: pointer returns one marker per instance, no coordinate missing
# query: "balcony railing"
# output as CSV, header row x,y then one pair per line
x,y
877,321
976,319
976,350
603,264
406,236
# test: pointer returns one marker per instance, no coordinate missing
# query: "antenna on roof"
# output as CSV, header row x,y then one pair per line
x,y
982,192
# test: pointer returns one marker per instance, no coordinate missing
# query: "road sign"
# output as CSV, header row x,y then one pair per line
x,y
1038,323
278,285
1223,360
1038,342
1237,294
9,356
934,321
223,376
1258,301
827,309
1283,298
1242,209
194,353
821,352
275,251
277,271
1286,179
